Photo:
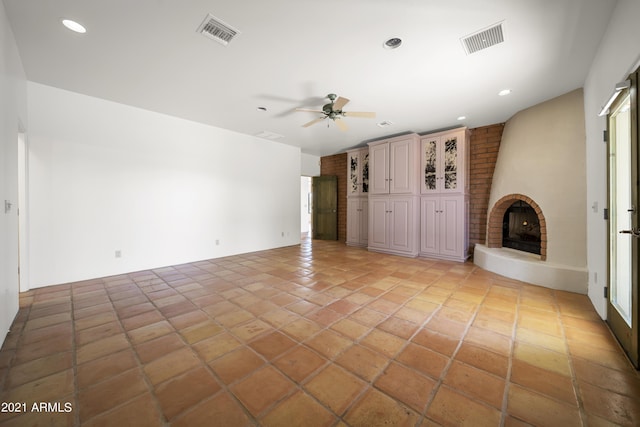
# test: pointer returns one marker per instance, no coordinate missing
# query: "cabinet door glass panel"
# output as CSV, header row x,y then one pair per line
x,y
430,156
353,174
451,164
365,173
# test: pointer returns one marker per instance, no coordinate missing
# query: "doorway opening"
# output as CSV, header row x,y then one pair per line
x,y
23,169
306,205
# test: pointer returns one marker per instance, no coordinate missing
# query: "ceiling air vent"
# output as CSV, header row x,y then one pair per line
x,y
483,39
217,30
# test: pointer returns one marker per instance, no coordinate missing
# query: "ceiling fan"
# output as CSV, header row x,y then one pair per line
x,y
333,111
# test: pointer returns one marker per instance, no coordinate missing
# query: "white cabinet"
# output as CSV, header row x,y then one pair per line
x,y
357,221
357,201
393,165
393,225
358,172
443,226
444,162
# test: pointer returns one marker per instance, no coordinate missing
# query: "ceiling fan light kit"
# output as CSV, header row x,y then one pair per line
x,y
333,110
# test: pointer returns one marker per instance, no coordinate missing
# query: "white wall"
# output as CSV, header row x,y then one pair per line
x,y
310,165
105,176
12,113
542,156
618,55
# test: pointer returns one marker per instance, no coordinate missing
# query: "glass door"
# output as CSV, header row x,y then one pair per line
x,y
624,231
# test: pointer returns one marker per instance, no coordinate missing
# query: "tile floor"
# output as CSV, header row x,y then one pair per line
x,y
317,334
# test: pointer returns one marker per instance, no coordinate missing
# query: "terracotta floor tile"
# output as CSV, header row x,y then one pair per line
x,y
383,342
88,335
350,329
378,409
44,389
335,388
621,382
60,330
435,341
618,409
424,360
149,332
184,391
216,346
329,343
302,307
451,408
368,317
95,320
35,369
298,410
536,409
262,389
222,408
171,365
141,412
158,347
484,359
476,383
491,340
557,344
447,327
279,317
299,363
301,329
200,331
141,320
236,365
543,381
272,344
101,348
110,393
250,330
185,320
98,370
399,327
542,358
406,385
362,361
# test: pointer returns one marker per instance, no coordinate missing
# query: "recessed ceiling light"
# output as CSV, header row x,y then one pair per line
x,y
462,117
504,92
385,123
392,43
261,109
74,26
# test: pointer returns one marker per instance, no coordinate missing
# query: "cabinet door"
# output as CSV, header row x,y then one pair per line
x,y
429,232
401,225
353,221
401,176
379,163
450,164
429,155
364,221
378,223
353,173
452,226
364,171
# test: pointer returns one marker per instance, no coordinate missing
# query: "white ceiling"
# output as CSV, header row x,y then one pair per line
x,y
292,53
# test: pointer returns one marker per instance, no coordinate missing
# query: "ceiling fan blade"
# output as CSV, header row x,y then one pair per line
x,y
365,114
339,103
313,122
309,111
341,124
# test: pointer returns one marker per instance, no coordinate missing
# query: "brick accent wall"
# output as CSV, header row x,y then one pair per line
x,y
337,165
484,145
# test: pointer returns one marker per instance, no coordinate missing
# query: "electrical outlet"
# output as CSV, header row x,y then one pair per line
x,y
217,242
118,253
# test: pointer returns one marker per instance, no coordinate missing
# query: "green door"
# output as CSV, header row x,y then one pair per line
x,y
325,207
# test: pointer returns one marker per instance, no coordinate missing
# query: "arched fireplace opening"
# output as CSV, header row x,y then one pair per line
x,y
520,228
536,226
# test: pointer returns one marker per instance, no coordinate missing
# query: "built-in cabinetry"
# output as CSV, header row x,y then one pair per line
x,y
394,219
408,195
357,200
444,197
